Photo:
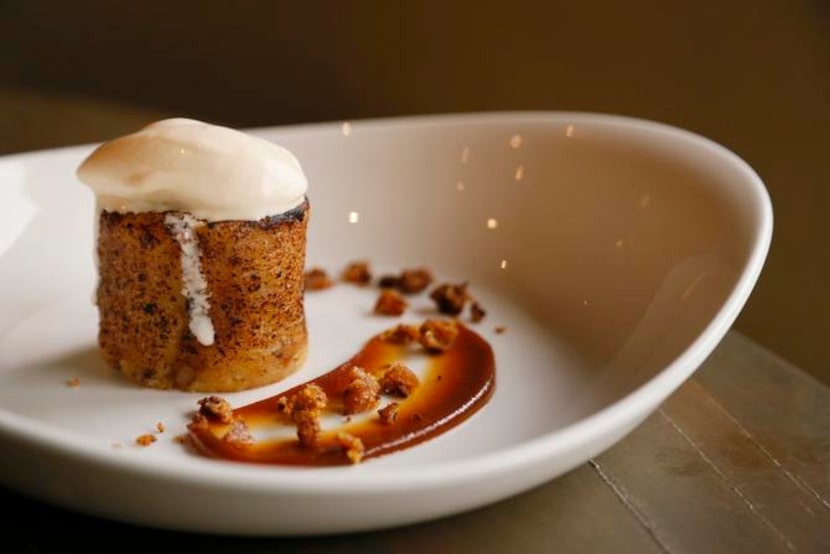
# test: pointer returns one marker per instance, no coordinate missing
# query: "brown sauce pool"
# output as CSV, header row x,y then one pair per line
x,y
456,384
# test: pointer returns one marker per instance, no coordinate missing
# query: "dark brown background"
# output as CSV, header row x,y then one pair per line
x,y
751,74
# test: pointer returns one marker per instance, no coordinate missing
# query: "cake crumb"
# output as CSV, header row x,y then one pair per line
x,y
362,393
357,273
401,334
74,383
390,303
477,313
389,414
438,335
399,381
317,279
216,408
450,299
500,329
352,445
160,427
181,439
145,440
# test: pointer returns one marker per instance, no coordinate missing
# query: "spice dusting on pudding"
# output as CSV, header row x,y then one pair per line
x,y
200,250
397,408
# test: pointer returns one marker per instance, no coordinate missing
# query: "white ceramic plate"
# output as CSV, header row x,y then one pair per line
x,y
617,253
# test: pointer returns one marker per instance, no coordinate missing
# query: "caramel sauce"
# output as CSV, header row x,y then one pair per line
x,y
456,384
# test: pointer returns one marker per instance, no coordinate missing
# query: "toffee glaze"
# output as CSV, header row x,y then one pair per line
x,y
456,384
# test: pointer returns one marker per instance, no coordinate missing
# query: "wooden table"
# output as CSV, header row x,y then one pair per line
x,y
737,460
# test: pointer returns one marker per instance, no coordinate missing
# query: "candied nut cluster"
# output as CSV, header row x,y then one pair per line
x,y
390,303
238,434
305,408
401,334
216,408
410,281
389,413
357,273
352,445
450,298
317,279
362,393
437,335
398,381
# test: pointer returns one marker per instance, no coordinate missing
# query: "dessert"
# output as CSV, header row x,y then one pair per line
x,y
200,250
393,408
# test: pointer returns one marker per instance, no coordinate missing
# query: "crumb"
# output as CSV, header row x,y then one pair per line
x,y
145,440
310,398
450,298
402,334
238,434
160,427
389,414
413,281
317,279
390,303
438,335
477,313
399,381
362,393
389,282
74,383
283,405
357,273
305,409
500,329
216,408
352,445
181,439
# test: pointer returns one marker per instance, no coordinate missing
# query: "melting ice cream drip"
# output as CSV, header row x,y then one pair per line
x,y
194,284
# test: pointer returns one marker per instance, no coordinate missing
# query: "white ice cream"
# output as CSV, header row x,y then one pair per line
x,y
211,172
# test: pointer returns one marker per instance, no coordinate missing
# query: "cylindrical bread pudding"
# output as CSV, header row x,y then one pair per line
x,y
201,248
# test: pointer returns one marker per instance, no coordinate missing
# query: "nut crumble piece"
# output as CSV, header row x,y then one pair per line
x,y
352,445
477,313
389,414
390,303
399,381
413,281
305,409
310,398
402,334
181,439
500,329
389,282
450,298
357,273
145,440
438,335
238,434
160,427
317,279
74,383
216,408
362,393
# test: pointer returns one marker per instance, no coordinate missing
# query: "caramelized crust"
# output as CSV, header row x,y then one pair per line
x,y
254,271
